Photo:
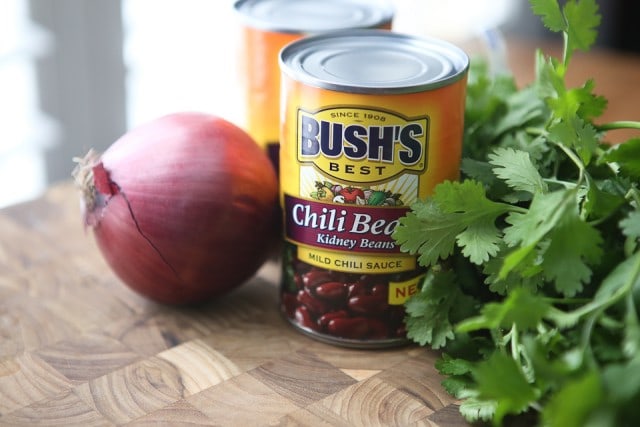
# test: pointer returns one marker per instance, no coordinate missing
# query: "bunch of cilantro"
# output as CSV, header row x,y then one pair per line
x,y
533,290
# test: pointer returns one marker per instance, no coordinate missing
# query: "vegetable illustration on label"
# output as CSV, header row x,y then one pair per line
x,y
336,193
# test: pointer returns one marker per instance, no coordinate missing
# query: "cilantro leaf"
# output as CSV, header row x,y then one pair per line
x,y
447,365
578,20
582,20
589,105
573,244
467,200
575,133
624,278
501,379
544,212
525,278
631,340
478,170
522,108
549,11
433,238
631,225
430,311
602,199
486,103
622,382
627,156
538,148
549,81
570,244
458,386
582,395
516,168
458,212
521,308
474,409
480,241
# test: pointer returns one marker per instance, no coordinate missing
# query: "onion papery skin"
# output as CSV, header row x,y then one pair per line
x,y
187,208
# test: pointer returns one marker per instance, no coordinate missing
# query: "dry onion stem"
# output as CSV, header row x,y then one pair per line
x,y
83,178
83,175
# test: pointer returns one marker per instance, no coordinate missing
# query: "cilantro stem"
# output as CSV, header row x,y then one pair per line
x,y
566,52
536,406
587,329
567,300
601,304
565,184
576,160
622,124
633,194
514,343
535,131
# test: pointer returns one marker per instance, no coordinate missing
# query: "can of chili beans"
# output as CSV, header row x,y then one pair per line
x,y
268,25
372,121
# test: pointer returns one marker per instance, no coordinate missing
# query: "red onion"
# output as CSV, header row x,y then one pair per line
x,y
183,208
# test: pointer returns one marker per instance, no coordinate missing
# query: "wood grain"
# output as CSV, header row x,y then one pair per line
x,y
77,347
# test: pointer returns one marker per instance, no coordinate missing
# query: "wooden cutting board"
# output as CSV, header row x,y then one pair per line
x,y
79,348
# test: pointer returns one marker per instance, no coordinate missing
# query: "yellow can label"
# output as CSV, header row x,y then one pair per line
x,y
400,292
349,263
358,170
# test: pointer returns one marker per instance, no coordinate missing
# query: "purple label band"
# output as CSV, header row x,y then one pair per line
x,y
348,228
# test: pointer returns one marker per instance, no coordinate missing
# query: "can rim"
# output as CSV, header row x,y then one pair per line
x,y
378,13
431,63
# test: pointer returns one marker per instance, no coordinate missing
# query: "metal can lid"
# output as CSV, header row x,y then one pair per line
x,y
373,61
313,16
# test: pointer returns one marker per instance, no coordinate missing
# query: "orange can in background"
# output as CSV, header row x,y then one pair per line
x,y
372,122
269,25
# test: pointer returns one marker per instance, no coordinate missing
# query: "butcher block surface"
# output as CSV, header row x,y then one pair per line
x,y
77,347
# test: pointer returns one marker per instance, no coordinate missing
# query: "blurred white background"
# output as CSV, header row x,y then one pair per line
x,y
76,74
